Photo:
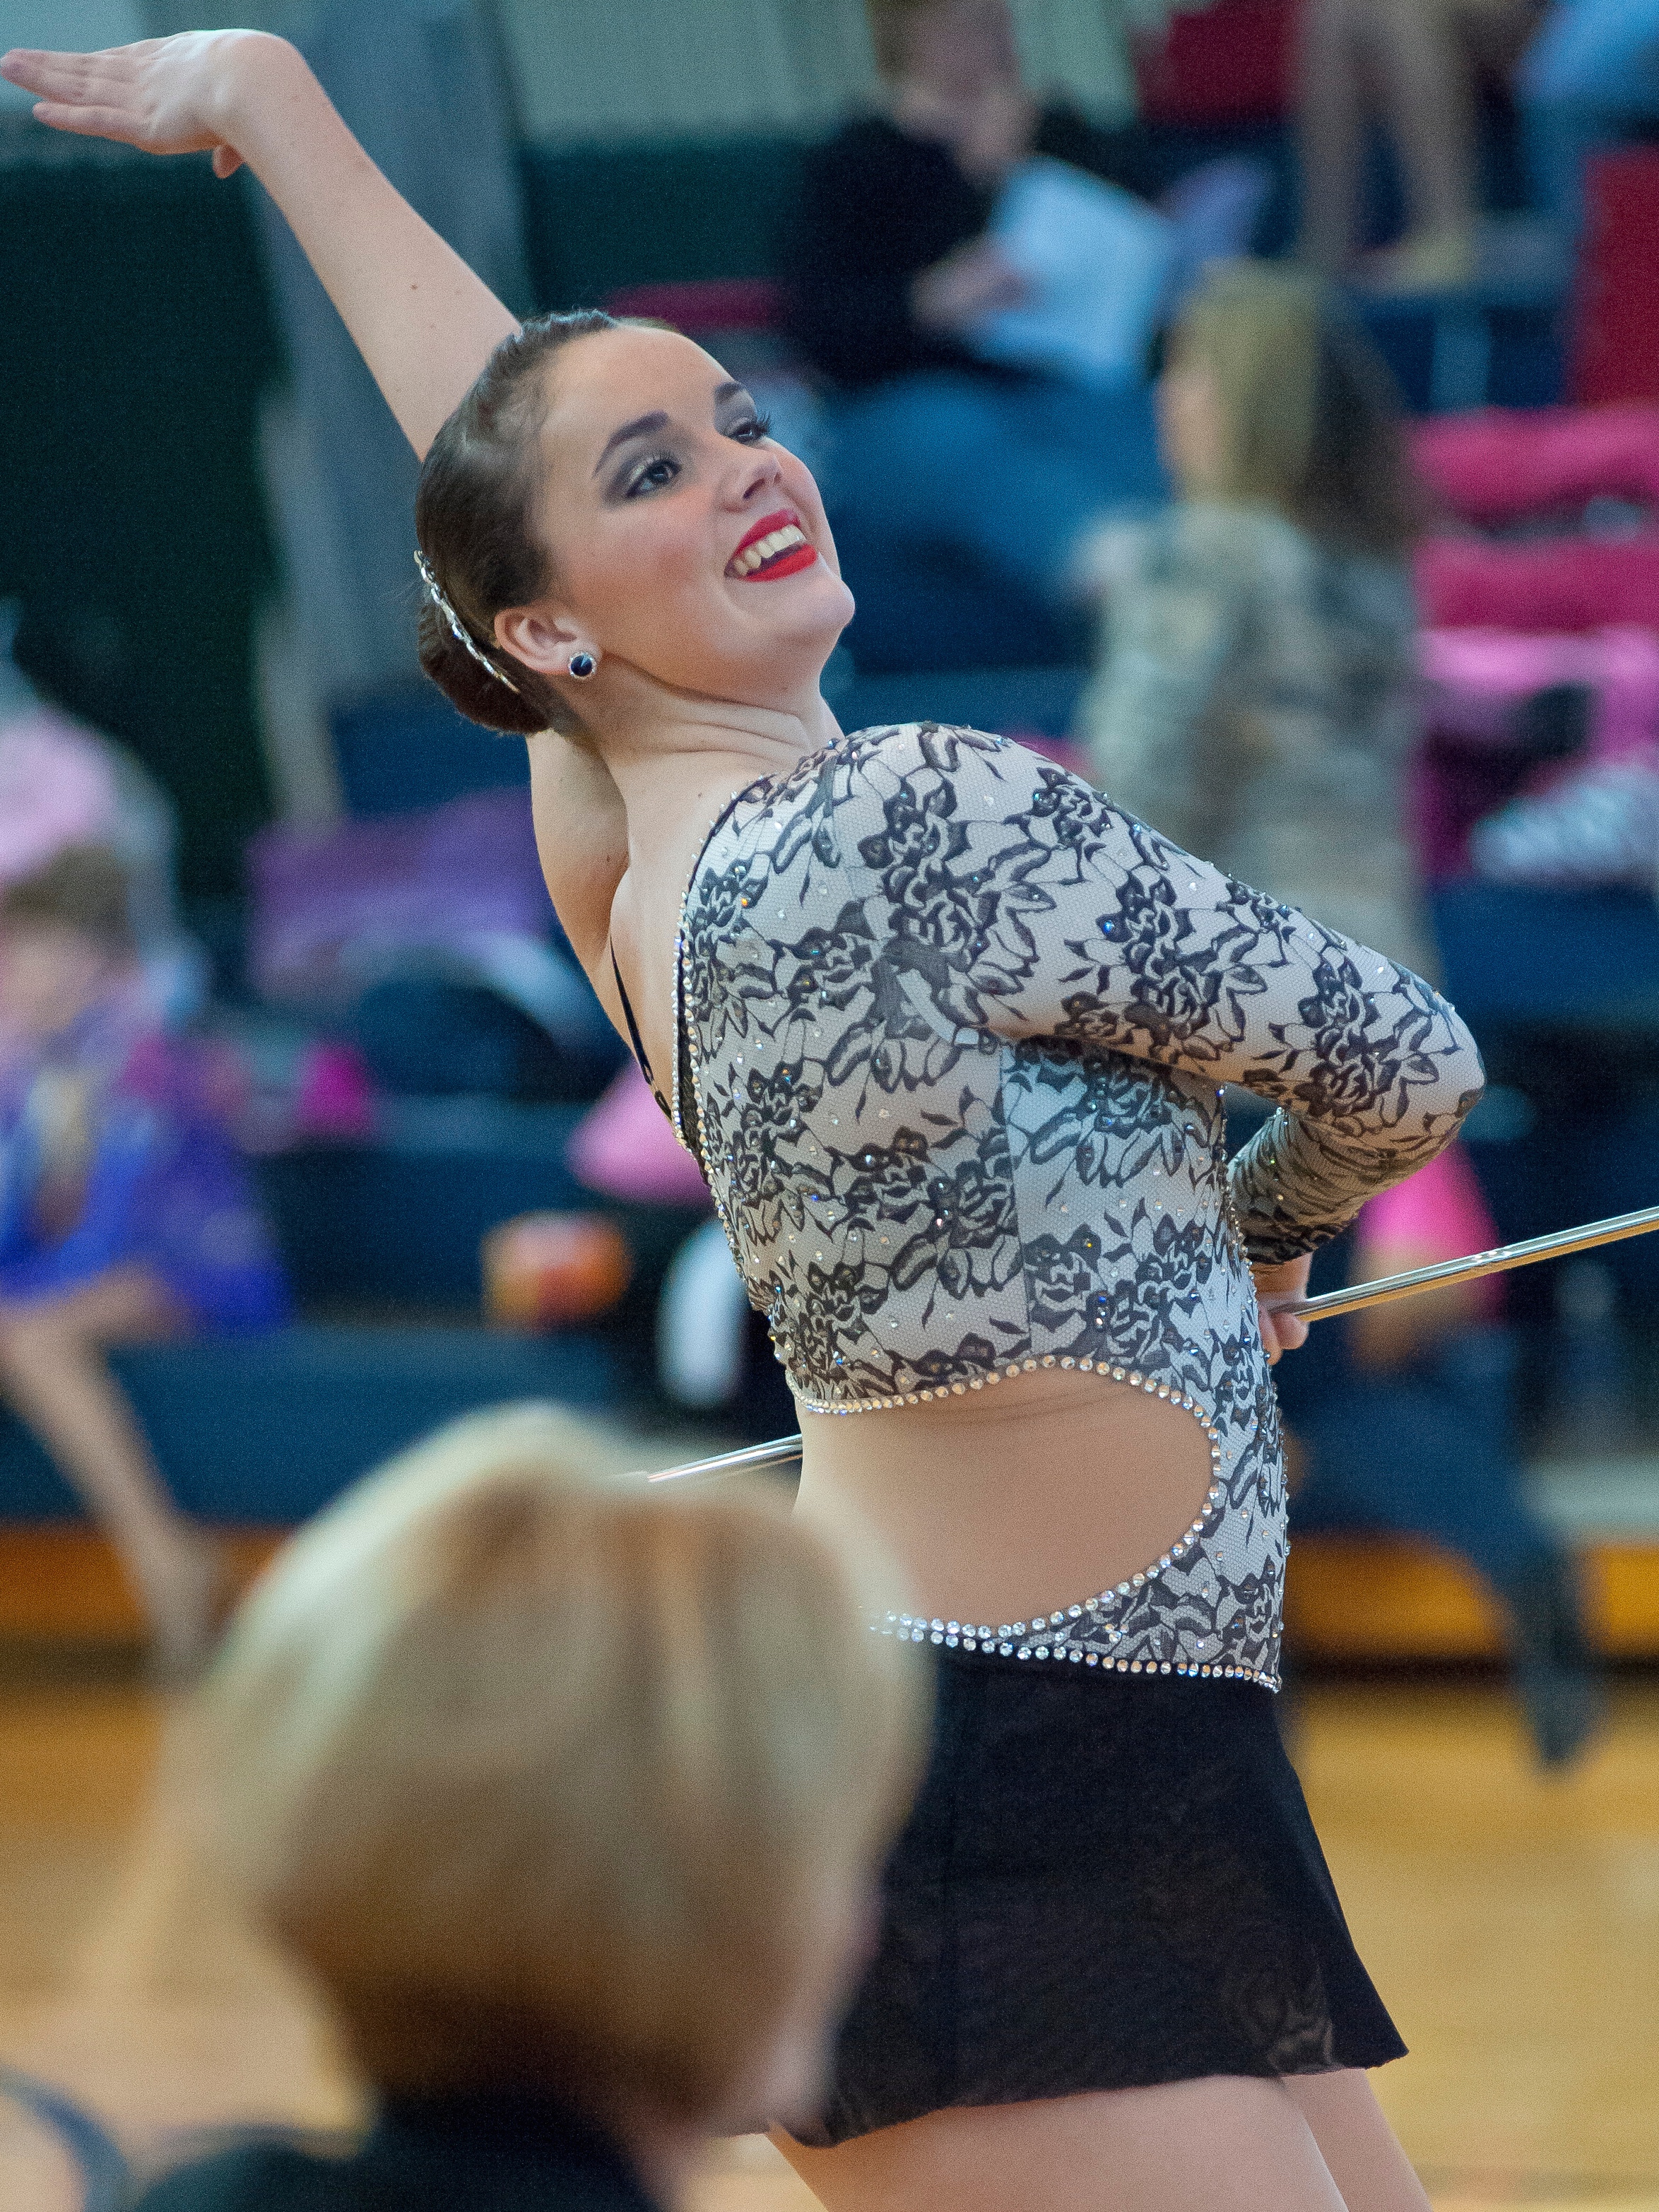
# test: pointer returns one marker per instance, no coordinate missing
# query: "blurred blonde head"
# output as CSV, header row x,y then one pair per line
x,y
558,1785
1274,397
961,45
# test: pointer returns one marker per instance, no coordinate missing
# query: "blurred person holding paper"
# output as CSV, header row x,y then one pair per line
x,y
977,276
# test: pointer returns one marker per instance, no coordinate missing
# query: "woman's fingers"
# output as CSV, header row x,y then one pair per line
x,y
1292,1331
34,69
1277,1286
76,79
1281,1332
75,92
117,123
119,93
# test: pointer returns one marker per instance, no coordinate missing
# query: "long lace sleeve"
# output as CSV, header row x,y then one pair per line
x,y
1027,905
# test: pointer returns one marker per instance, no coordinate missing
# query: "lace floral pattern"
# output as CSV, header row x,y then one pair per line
x,y
958,1026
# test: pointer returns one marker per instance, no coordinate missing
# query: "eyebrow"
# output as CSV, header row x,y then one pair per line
x,y
642,426
645,426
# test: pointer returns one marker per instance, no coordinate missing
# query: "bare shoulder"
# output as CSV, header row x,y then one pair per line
x,y
581,835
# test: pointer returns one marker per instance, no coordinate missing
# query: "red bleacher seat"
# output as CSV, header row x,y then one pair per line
x,y
704,306
1615,340
1232,63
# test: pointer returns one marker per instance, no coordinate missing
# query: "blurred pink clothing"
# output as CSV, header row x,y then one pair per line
x,y
1437,1214
624,1147
1476,676
58,787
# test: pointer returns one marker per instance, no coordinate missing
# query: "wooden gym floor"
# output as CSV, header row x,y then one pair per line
x,y
1512,1923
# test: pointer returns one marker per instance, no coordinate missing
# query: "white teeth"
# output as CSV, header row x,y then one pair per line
x,y
764,549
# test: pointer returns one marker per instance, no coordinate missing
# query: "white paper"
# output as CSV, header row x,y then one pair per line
x,y
1097,261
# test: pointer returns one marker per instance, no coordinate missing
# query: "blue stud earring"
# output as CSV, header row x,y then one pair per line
x,y
581,666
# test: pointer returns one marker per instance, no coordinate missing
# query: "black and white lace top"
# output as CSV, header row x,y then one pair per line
x,y
956,1027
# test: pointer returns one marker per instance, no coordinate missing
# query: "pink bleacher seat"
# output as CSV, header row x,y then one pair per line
x,y
1500,464
1542,583
1504,465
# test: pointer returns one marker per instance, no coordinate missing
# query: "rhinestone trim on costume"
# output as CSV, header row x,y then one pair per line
x,y
1013,1641
1021,1639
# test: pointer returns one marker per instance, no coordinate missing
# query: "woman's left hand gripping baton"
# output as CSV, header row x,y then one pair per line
x,y
1281,1332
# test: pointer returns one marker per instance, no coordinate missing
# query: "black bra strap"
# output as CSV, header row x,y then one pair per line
x,y
637,1040
687,1086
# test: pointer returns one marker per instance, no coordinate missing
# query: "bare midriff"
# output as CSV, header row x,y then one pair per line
x,y
1018,1499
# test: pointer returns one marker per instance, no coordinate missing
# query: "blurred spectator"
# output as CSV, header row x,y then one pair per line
x,y
1590,78
935,453
1254,696
62,784
568,1798
1410,62
1598,824
432,932
1401,1418
125,1214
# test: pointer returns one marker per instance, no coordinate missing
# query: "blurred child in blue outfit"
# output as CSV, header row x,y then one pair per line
x,y
124,1214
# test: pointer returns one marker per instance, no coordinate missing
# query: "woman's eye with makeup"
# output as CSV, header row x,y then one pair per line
x,y
757,427
652,476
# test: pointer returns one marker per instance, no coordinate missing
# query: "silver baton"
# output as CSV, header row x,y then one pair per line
x,y
755,1458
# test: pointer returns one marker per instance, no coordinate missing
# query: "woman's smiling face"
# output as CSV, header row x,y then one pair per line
x,y
683,540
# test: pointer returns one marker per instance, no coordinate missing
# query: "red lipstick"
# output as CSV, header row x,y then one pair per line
x,y
764,528
787,559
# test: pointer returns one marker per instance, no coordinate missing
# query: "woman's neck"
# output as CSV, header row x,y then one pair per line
x,y
679,763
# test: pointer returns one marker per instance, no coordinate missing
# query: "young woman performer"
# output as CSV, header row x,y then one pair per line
x,y
946,1029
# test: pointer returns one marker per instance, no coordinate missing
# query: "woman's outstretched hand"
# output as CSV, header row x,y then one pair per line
x,y
1275,1288
420,318
166,95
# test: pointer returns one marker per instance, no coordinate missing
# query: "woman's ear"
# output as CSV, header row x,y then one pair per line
x,y
543,638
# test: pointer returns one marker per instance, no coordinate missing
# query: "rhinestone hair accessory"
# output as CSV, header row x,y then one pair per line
x,y
458,629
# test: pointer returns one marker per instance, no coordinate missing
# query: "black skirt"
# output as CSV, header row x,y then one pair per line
x,y
1106,1881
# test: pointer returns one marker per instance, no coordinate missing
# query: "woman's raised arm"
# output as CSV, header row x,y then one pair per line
x,y
422,320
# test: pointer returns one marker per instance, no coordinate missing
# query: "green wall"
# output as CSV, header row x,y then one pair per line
x,y
134,343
